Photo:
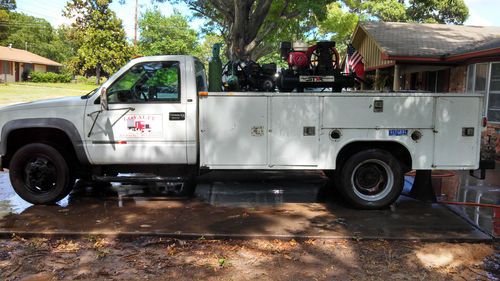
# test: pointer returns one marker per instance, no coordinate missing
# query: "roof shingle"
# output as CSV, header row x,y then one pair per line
x,y
18,55
431,40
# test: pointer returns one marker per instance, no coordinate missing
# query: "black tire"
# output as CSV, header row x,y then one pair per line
x,y
371,179
40,174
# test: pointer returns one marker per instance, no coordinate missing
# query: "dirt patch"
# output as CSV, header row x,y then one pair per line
x,y
145,258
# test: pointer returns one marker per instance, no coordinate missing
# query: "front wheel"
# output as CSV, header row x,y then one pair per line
x,y
39,174
371,179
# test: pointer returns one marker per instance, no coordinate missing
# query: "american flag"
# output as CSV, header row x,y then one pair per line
x,y
354,62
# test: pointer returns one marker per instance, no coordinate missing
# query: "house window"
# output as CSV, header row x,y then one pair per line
x,y
481,76
470,78
5,65
484,78
494,95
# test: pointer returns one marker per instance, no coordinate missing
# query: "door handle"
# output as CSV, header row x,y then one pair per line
x,y
176,116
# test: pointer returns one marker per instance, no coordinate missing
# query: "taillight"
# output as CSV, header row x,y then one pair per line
x,y
485,121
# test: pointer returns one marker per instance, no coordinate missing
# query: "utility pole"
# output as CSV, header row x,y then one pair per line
x,y
135,24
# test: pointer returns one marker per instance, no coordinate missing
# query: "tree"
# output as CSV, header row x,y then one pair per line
x,y
342,18
100,34
248,26
339,25
162,35
37,35
435,11
204,50
8,5
5,7
438,11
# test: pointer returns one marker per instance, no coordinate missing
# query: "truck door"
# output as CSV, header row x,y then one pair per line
x,y
146,120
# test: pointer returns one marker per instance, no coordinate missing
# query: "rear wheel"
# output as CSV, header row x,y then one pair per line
x,y
371,179
39,174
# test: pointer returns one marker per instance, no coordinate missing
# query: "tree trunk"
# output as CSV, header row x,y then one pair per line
x,y
245,19
98,74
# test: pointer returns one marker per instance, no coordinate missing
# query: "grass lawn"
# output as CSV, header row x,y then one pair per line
x,y
11,93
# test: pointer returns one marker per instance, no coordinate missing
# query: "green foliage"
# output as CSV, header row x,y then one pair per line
x,y
100,36
5,7
39,35
254,28
8,5
342,18
204,50
80,79
49,77
438,11
386,10
339,24
162,35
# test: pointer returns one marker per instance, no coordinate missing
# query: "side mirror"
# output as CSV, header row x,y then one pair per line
x,y
104,99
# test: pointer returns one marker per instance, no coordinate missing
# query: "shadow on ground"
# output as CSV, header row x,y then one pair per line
x,y
237,205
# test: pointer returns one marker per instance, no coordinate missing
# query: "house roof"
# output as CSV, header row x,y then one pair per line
x,y
17,55
430,40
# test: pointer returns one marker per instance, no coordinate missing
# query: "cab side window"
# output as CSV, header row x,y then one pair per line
x,y
147,82
201,78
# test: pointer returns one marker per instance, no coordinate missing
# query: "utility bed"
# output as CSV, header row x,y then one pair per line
x,y
243,130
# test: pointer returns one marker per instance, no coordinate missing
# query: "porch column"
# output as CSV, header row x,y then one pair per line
x,y
396,83
377,78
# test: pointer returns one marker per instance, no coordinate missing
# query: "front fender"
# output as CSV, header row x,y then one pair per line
x,y
54,123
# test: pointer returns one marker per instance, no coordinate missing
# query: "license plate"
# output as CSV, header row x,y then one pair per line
x,y
317,79
398,132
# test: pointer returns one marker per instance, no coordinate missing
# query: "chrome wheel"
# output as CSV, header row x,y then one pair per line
x,y
372,180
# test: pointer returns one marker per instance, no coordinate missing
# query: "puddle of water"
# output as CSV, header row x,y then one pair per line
x,y
255,189
219,193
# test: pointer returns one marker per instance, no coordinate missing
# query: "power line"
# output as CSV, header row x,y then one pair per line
x,y
37,13
25,25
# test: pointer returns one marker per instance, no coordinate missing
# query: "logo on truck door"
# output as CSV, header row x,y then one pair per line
x,y
140,125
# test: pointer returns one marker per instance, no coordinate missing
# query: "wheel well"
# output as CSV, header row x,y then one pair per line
x,y
396,149
51,136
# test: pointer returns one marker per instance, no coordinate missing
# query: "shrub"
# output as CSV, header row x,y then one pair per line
x,y
49,77
88,80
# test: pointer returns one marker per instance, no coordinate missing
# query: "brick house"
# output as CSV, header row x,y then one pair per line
x,y
434,58
13,62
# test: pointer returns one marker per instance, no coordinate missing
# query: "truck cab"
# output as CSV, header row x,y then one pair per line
x,y
151,116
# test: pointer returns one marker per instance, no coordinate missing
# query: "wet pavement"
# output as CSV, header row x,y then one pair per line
x,y
236,205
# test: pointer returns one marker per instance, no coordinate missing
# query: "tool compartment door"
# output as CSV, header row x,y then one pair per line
x,y
452,147
233,132
294,137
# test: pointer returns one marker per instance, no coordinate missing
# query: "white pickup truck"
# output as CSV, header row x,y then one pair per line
x,y
155,116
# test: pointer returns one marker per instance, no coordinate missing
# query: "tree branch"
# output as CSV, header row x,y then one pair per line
x,y
258,16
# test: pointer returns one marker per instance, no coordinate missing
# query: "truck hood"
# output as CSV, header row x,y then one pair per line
x,y
49,103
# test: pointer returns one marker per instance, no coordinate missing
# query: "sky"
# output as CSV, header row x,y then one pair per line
x,y
481,12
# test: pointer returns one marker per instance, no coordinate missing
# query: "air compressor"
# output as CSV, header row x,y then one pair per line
x,y
249,76
316,66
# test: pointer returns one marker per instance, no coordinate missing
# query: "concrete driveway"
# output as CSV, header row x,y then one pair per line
x,y
236,205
